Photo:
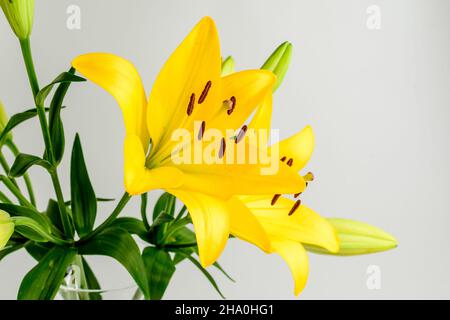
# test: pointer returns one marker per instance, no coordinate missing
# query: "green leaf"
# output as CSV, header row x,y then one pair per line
x,y
84,201
39,250
204,271
17,119
55,123
24,161
15,210
160,269
133,226
53,214
62,78
118,244
166,204
44,280
91,281
10,247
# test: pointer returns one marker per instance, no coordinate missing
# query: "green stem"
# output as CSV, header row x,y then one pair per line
x,y
16,192
6,168
12,146
4,198
68,230
123,201
180,214
28,59
144,198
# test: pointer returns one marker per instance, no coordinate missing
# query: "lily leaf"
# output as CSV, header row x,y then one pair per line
x,y
133,226
166,204
17,119
62,78
15,210
118,244
24,161
91,281
84,201
10,247
44,280
160,269
205,272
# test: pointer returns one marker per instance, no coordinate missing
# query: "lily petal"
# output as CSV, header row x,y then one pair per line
x,y
263,116
249,88
295,256
210,217
299,147
139,179
186,74
120,78
6,228
305,225
245,226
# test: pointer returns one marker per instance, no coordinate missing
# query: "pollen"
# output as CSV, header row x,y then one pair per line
x,y
275,199
295,207
205,92
283,159
201,132
241,134
230,104
290,162
223,147
190,107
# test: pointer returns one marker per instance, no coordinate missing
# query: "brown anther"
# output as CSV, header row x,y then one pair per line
x,y
290,162
275,199
295,207
309,176
205,92
232,105
190,108
241,134
297,195
201,132
223,147
283,159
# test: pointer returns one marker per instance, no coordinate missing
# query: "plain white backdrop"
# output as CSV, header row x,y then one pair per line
x,y
378,101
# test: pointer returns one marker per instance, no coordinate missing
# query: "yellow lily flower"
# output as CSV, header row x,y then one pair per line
x,y
189,89
6,228
287,223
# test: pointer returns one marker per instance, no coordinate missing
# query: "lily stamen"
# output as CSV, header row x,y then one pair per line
x,y
290,162
297,195
241,134
275,199
190,108
223,147
231,105
283,159
201,132
309,177
205,92
295,207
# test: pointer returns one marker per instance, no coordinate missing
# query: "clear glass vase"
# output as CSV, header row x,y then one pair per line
x,y
75,286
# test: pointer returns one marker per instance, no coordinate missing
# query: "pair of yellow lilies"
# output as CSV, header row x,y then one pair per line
x,y
222,199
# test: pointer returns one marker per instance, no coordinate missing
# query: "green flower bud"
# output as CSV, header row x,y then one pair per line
x,y
4,120
357,238
20,15
279,62
6,228
227,66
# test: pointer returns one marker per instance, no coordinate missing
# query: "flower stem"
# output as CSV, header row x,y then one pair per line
x,y
28,59
144,210
68,230
6,168
123,201
16,192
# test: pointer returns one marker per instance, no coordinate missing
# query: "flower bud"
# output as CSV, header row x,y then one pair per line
x,y
20,15
6,228
227,66
357,238
4,120
279,62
